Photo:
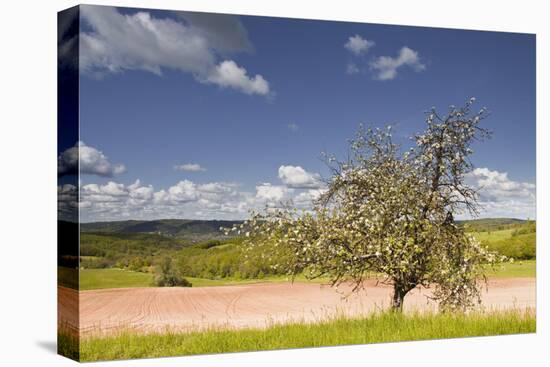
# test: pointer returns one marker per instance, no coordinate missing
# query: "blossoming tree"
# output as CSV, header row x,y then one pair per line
x,y
389,214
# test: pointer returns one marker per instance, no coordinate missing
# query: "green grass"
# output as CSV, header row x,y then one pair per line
x,y
518,242
117,278
517,269
493,224
376,328
113,278
494,235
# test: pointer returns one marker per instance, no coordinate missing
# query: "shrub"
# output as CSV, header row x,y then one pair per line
x,y
172,281
168,277
519,246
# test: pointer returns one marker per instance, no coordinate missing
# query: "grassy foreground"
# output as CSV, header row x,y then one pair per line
x,y
376,328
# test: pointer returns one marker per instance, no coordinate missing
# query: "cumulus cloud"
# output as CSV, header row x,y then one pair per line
x,y
305,199
358,45
499,196
299,178
114,200
386,66
182,192
190,167
91,161
191,43
229,74
502,197
139,194
188,191
184,199
139,41
269,193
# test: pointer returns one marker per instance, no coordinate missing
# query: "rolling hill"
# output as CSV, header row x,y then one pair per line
x,y
190,230
199,249
201,230
491,224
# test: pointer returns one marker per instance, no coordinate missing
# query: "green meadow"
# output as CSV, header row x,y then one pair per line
x,y
517,241
113,278
517,269
118,278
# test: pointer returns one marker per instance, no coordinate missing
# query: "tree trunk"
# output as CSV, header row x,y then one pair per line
x,y
398,298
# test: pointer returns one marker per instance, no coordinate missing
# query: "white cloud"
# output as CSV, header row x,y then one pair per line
x,y
113,189
306,198
139,42
190,167
140,194
386,67
272,193
299,178
183,191
358,45
91,161
499,196
185,199
502,197
109,193
113,200
118,42
229,74
352,69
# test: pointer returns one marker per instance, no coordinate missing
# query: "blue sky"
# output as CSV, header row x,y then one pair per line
x,y
215,115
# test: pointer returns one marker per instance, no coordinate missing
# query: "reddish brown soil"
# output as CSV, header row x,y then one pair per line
x,y
256,305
